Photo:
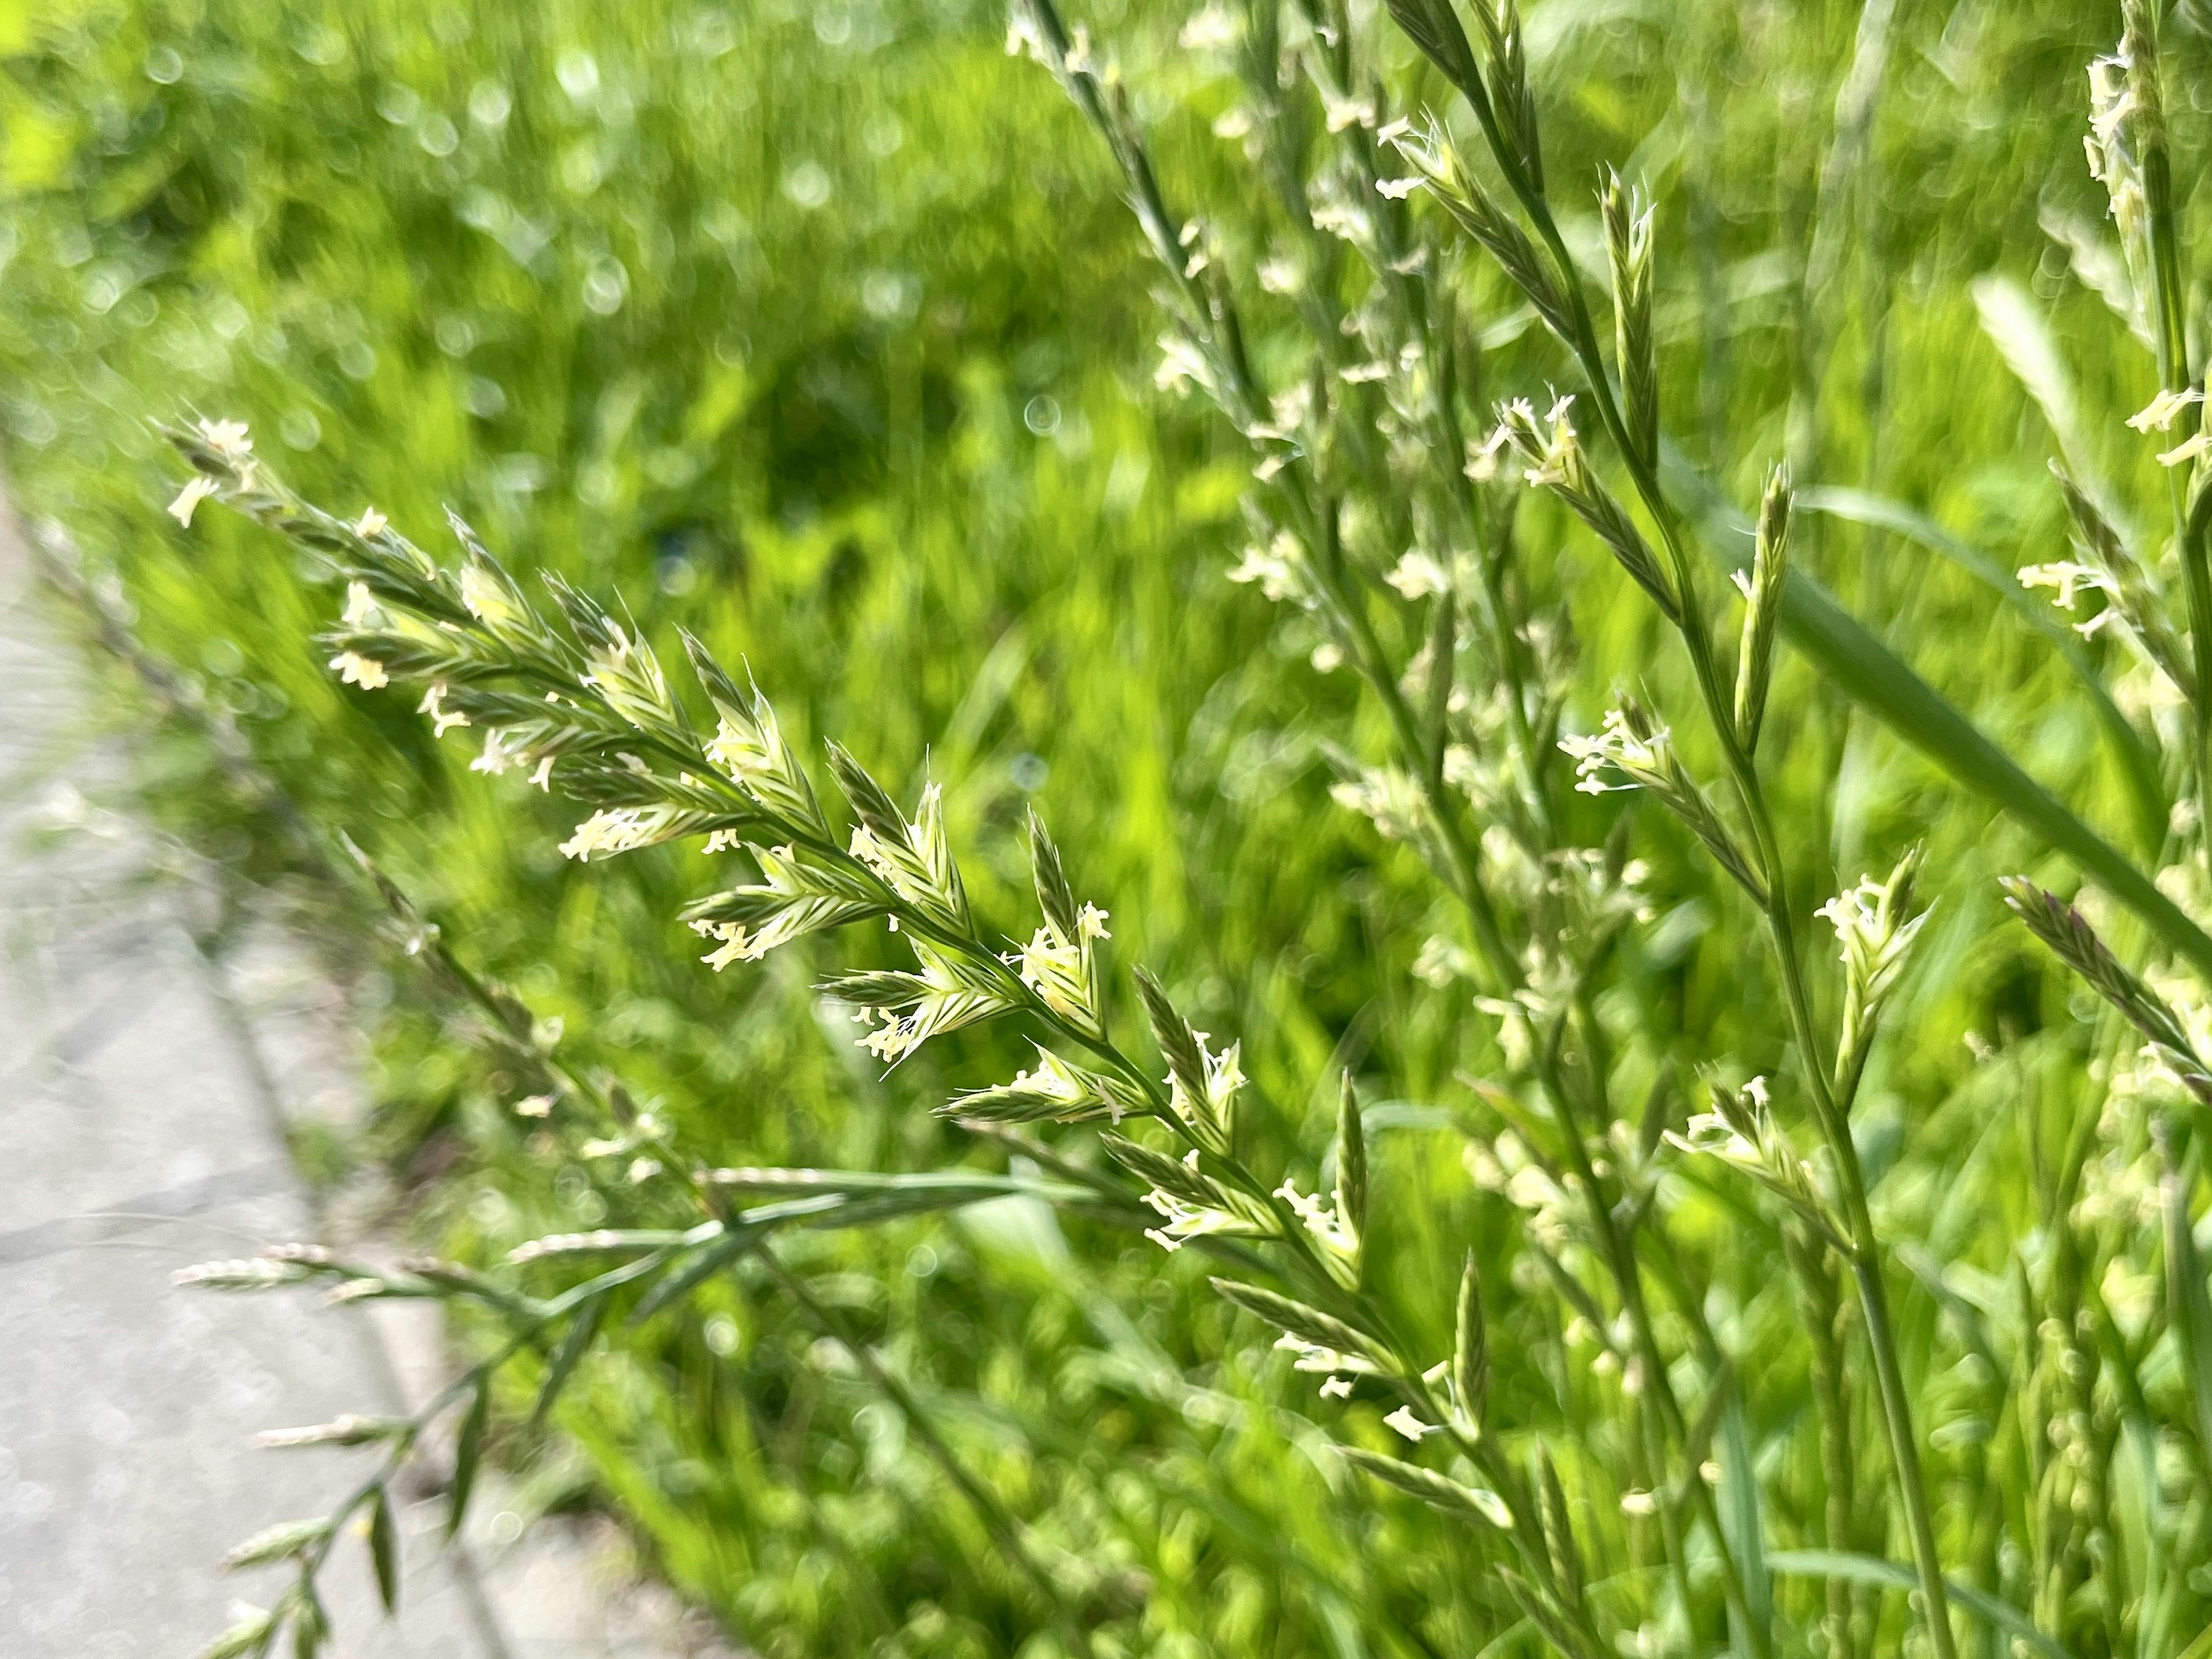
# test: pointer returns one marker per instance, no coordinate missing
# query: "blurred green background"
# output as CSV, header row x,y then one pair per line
x,y
821,330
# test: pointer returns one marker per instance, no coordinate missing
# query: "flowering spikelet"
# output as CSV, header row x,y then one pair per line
x,y
1556,461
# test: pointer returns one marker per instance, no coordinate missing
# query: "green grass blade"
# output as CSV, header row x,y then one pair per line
x,y
1874,676
2137,764
2017,328
1740,1518
383,1550
468,1453
1895,1575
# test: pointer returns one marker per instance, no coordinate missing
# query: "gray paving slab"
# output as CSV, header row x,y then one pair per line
x,y
144,1090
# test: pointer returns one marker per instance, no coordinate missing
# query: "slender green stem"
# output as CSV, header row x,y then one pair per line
x,y
2171,336
1820,1305
1866,1249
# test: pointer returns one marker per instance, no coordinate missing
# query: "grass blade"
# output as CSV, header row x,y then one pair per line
x,y
468,1452
1895,1575
383,1550
1873,676
1741,1517
2137,764
574,1343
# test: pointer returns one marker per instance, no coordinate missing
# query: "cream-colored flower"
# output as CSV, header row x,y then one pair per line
x,y
1411,1426
2188,450
229,440
2158,414
366,672
2066,578
442,719
1417,575
496,757
196,490
607,833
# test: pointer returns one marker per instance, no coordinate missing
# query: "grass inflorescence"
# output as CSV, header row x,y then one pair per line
x,y
1554,1138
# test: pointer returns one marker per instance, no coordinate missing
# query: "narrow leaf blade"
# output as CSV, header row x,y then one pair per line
x,y
383,1550
468,1452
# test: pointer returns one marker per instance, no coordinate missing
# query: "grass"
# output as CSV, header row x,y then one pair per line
x,y
824,335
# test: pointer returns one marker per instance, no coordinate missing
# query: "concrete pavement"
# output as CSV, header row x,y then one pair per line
x,y
145,1089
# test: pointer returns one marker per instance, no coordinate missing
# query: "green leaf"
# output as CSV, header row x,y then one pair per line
x,y
1351,1160
468,1450
1438,1492
1895,1575
383,1550
693,1273
2188,1307
575,1342
1308,1324
2023,339
1871,675
1741,1521
2137,763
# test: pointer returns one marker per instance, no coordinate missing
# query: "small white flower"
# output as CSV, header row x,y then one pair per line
x,y
197,490
2188,450
2158,414
1342,112
1336,1388
1277,568
1639,1503
228,438
1181,366
534,1106
1209,29
738,945
1078,51
496,757
370,525
366,672
543,777
617,831
1411,1426
1417,575
1482,458
442,719
1398,189
2066,578
359,605
1617,746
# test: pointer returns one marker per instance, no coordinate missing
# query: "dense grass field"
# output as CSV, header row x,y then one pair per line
x,y
825,333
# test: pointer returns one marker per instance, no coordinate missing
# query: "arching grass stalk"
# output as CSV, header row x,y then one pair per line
x,y
1313,444
585,706
1497,92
